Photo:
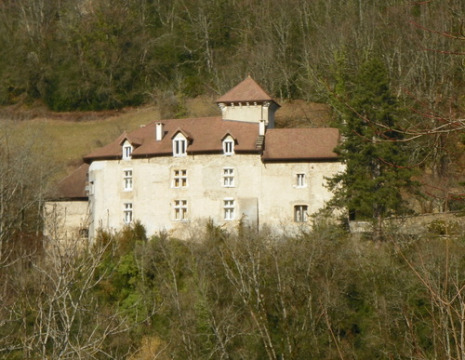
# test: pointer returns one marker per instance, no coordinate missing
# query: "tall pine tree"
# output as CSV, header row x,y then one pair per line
x,y
371,148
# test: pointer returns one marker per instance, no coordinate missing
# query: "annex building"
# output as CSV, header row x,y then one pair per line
x,y
174,175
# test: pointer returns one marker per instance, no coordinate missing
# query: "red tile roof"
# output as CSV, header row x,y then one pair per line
x,y
205,136
73,187
246,91
301,144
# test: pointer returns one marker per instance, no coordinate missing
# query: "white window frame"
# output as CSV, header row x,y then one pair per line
x,y
301,213
228,146
179,145
301,180
179,178
127,180
228,177
127,150
180,210
229,209
127,213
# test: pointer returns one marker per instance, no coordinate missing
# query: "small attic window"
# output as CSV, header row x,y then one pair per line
x,y
127,150
228,145
179,145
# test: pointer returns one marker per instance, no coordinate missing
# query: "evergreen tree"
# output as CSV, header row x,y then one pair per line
x,y
371,147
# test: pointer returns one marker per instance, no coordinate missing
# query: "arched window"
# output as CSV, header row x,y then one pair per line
x,y
127,150
179,145
228,145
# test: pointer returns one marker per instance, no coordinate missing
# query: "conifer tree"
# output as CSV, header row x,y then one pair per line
x,y
371,147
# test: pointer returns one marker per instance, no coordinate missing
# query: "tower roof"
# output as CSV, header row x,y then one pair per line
x,y
246,91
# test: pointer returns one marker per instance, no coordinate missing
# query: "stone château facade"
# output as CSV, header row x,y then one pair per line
x,y
174,175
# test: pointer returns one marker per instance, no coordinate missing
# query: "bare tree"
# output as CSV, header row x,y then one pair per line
x,y
438,267
57,309
26,168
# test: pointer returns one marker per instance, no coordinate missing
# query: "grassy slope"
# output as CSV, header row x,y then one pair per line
x,y
71,140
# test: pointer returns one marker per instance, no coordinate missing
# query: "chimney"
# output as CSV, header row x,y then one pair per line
x,y
261,128
159,132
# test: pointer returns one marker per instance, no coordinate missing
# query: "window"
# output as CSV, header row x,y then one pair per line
x,y
228,146
127,212
228,177
180,209
228,206
300,180
84,233
300,213
179,145
89,188
127,180
180,178
127,150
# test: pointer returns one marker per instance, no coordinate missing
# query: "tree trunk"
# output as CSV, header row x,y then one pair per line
x,y
377,224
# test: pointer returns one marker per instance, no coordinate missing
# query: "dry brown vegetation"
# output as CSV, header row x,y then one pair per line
x,y
321,295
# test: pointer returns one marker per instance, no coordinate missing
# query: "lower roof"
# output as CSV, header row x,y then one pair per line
x,y
73,186
301,144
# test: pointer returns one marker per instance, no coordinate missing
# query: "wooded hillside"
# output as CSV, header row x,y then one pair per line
x,y
102,54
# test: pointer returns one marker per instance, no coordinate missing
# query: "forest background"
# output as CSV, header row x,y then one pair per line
x,y
322,295
99,54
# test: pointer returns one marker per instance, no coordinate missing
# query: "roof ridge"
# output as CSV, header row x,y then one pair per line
x,y
246,90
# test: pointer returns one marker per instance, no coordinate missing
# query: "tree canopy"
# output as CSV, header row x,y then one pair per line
x,y
371,148
101,54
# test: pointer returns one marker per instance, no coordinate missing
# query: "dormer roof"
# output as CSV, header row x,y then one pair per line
x,y
228,134
183,132
246,91
131,139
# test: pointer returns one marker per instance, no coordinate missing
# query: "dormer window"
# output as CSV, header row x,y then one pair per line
x,y
127,150
228,145
179,145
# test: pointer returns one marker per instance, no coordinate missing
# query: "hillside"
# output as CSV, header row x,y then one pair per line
x,y
101,54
